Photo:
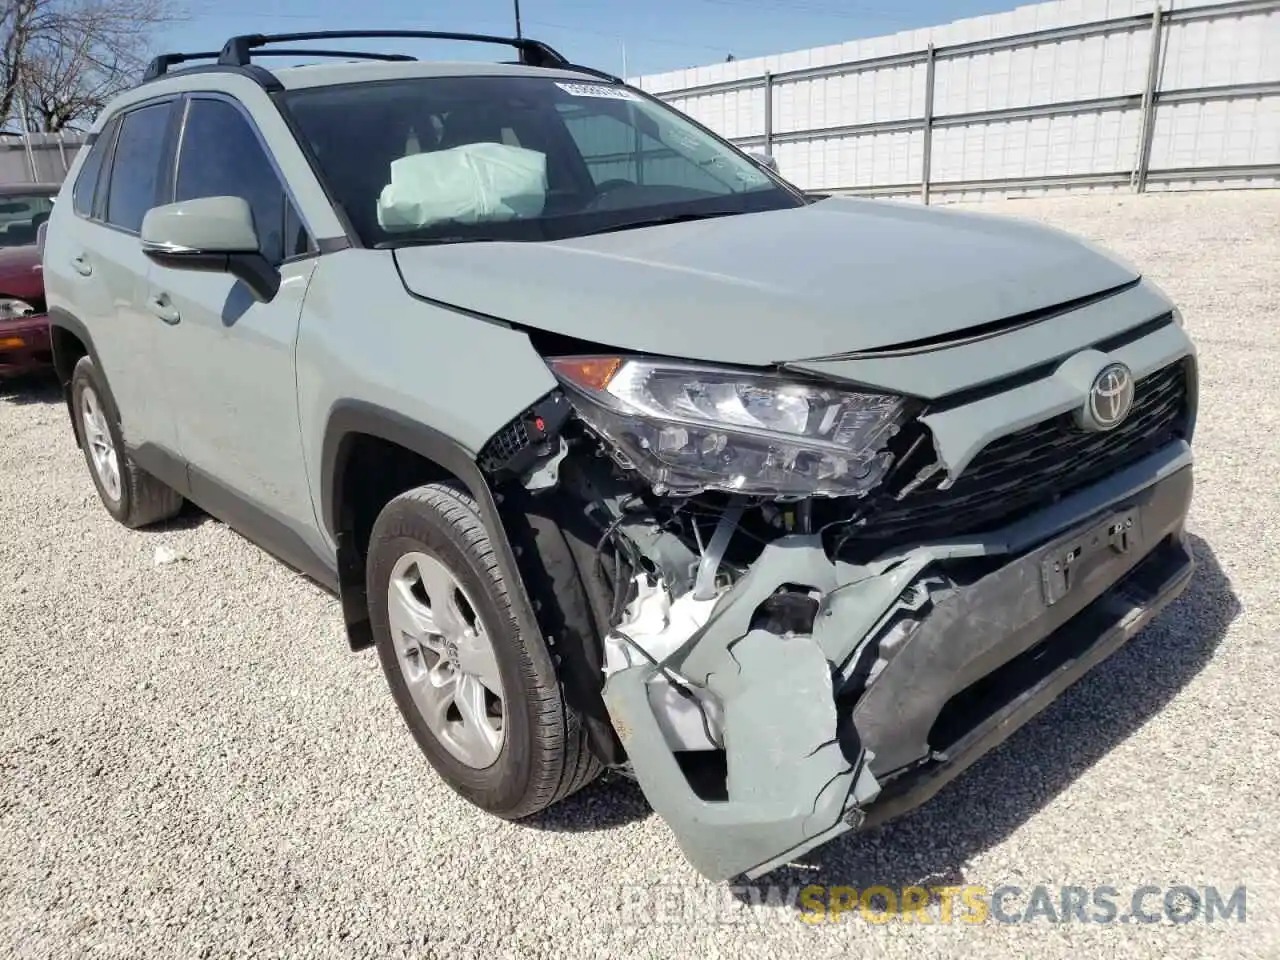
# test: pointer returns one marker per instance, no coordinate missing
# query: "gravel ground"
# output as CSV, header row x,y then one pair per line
x,y
194,765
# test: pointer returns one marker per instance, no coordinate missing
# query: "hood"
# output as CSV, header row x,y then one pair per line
x,y
21,275
836,276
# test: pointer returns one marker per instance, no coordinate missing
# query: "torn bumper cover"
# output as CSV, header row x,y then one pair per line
x,y
901,686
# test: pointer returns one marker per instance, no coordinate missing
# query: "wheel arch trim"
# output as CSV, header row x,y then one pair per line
x,y
350,418
61,319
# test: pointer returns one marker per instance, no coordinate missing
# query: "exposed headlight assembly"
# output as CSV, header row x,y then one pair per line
x,y
688,428
15,309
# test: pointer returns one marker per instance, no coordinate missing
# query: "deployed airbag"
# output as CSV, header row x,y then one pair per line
x,y
471,183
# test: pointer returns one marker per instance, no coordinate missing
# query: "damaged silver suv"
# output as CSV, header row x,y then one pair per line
x,y
620,450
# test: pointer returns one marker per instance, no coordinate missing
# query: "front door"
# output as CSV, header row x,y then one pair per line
x,y
227,358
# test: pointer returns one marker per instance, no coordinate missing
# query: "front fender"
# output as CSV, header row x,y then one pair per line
x,y
427,378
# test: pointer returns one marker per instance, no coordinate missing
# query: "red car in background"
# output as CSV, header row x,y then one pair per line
x,y
24,325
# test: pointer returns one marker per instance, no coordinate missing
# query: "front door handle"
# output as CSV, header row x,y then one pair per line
x,y
82,265
163,308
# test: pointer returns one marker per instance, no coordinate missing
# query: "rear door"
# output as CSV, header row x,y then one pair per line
x,y
96,260
228,359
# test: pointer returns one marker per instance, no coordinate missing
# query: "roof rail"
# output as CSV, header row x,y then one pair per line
x,y
593,72
161,64
238,50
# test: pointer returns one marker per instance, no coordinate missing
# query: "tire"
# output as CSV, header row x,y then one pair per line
x,y
543,754
131,495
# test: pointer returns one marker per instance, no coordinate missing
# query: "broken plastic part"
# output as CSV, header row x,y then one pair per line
x,y
546,473
527,442
690,718
664,554
799,772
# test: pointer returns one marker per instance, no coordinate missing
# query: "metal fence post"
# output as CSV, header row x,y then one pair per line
x,y
926,161
768,112
1138,180
26,130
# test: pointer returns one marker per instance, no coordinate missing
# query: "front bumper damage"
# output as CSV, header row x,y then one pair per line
x,y
909,675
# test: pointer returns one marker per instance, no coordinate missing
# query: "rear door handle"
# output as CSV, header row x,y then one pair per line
x,y
82,265
163,308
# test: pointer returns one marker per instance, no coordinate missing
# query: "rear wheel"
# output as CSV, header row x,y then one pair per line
x,y
482,699
131,495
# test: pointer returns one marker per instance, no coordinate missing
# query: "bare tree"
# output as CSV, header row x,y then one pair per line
x,y
61,60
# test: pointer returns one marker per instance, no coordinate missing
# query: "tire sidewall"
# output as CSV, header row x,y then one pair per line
x,y
409,527
86,375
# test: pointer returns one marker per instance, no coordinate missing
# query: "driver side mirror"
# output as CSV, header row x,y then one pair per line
x,y
211,234
765,160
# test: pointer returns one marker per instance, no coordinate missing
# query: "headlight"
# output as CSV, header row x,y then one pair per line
x,y
13,309
689,428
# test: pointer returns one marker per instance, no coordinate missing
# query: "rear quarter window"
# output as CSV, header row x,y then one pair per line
x,y
82,192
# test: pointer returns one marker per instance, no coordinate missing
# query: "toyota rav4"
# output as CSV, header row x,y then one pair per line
x,y
621,450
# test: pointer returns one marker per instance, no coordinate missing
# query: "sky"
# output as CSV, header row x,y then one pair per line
x,y
653,35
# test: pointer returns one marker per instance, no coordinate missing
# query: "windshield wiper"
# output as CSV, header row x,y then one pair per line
x,y
661,221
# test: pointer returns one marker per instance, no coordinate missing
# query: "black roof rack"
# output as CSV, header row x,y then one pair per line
x,y
160,65
237,53
238,50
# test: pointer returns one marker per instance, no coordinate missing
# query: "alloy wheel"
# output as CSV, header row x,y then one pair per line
x,y
102,449
447,659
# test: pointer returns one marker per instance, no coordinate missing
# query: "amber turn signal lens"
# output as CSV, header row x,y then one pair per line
x,y
594,373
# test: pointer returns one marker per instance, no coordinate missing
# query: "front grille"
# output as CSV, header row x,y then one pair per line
x,y
1032,468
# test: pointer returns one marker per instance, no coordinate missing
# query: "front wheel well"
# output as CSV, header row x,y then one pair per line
x,y
370,472
555,560
374,471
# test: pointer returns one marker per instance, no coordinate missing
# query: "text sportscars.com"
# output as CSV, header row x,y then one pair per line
x,y
930,904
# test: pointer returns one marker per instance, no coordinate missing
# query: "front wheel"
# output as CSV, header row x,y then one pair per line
x,y
482,699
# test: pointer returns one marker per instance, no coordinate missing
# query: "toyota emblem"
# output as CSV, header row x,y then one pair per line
x,y
1110,397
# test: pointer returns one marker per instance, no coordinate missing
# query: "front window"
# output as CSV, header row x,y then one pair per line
x,y
135,169
20,217
452,159
221,155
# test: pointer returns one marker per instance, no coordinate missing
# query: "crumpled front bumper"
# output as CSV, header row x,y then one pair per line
x,y
805,764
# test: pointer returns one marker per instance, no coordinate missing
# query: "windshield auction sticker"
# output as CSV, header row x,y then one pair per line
x,y
602,91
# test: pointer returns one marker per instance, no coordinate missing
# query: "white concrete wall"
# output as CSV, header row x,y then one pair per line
x,y
1239,48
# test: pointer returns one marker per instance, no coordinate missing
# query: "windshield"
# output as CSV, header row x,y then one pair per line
x,y
453,159
20,217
